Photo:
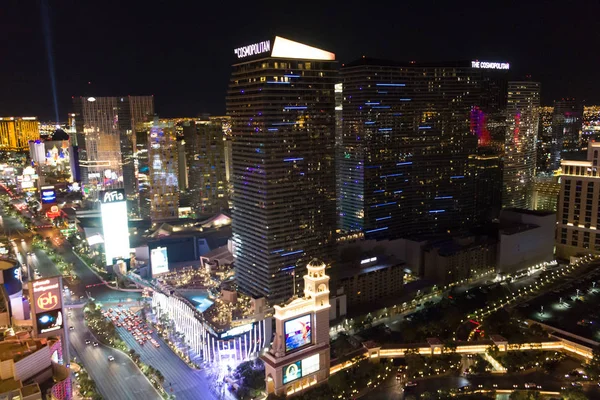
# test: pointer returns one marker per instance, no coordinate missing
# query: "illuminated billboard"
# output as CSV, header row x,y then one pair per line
x,y
114,224
298,369
298,333
48,195
46,295
159,261
292,372
49,321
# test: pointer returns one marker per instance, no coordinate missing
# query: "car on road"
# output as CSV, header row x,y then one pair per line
x,y
71,328
88,341
410,384
95,344
530,385
111,358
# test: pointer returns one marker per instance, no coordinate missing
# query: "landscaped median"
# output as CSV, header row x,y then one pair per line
x,y
106,333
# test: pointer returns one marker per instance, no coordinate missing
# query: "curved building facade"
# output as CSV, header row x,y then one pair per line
x,y
241,340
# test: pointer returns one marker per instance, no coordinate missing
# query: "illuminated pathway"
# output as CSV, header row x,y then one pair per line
x,y
566,346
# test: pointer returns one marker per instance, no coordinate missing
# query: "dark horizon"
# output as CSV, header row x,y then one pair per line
x,y
182,54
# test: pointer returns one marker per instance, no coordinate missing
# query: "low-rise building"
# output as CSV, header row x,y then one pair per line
x,y
370,279
457,258
525,239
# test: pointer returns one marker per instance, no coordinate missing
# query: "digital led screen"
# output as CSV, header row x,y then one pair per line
x,y
159,261
298,333
310,364
48,195
114,225
292,372
298,369
49,321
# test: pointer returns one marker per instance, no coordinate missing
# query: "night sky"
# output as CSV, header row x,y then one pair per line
x,y
182,53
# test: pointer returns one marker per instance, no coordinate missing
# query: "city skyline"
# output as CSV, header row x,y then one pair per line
x,y
199,85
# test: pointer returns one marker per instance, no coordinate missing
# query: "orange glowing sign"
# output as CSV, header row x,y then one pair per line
x,y
46,294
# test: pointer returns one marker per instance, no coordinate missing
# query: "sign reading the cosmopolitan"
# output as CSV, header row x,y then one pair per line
x,y
489,65
253,49
114,224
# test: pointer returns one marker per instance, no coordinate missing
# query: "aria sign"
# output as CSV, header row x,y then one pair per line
x,y
253,49
489,65
112,196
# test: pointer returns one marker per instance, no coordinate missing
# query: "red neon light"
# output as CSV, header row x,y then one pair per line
x,y
517,127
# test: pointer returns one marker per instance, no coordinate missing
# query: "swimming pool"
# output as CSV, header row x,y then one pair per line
x,y
197,297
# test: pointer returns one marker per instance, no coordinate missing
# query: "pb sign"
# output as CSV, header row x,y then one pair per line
x,y
46,294
47,301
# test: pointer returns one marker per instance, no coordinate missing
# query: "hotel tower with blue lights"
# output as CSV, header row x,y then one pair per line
x,y
282,106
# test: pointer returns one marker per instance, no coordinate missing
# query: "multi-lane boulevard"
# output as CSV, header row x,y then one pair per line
x,y
120,379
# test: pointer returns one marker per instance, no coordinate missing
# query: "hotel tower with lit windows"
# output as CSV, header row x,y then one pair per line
x,y
282,106
420,146
578,213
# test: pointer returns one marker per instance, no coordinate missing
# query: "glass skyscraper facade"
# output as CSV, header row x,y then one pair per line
x,y
205,153
520,144
106,134
163,166
409,145
566,129
282,107
16,132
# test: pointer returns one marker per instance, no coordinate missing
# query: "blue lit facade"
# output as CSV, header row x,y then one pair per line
x,y
405,161
283,128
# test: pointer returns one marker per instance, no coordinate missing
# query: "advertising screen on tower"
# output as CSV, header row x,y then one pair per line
x,y
298,333
49,321
159,261
298,369
114,224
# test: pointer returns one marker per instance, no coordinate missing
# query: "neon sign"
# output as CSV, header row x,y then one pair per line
x,y
113,196
489,65
253,49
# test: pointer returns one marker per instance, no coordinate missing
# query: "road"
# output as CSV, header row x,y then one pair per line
x,y
181,380
119,379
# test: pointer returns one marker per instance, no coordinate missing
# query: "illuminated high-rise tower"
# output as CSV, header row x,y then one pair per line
x,y
163,165
16,132
205,151
566,129
408,153
521,143
282,107
106,132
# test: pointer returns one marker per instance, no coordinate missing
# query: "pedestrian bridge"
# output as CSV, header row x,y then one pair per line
x,y
435,347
